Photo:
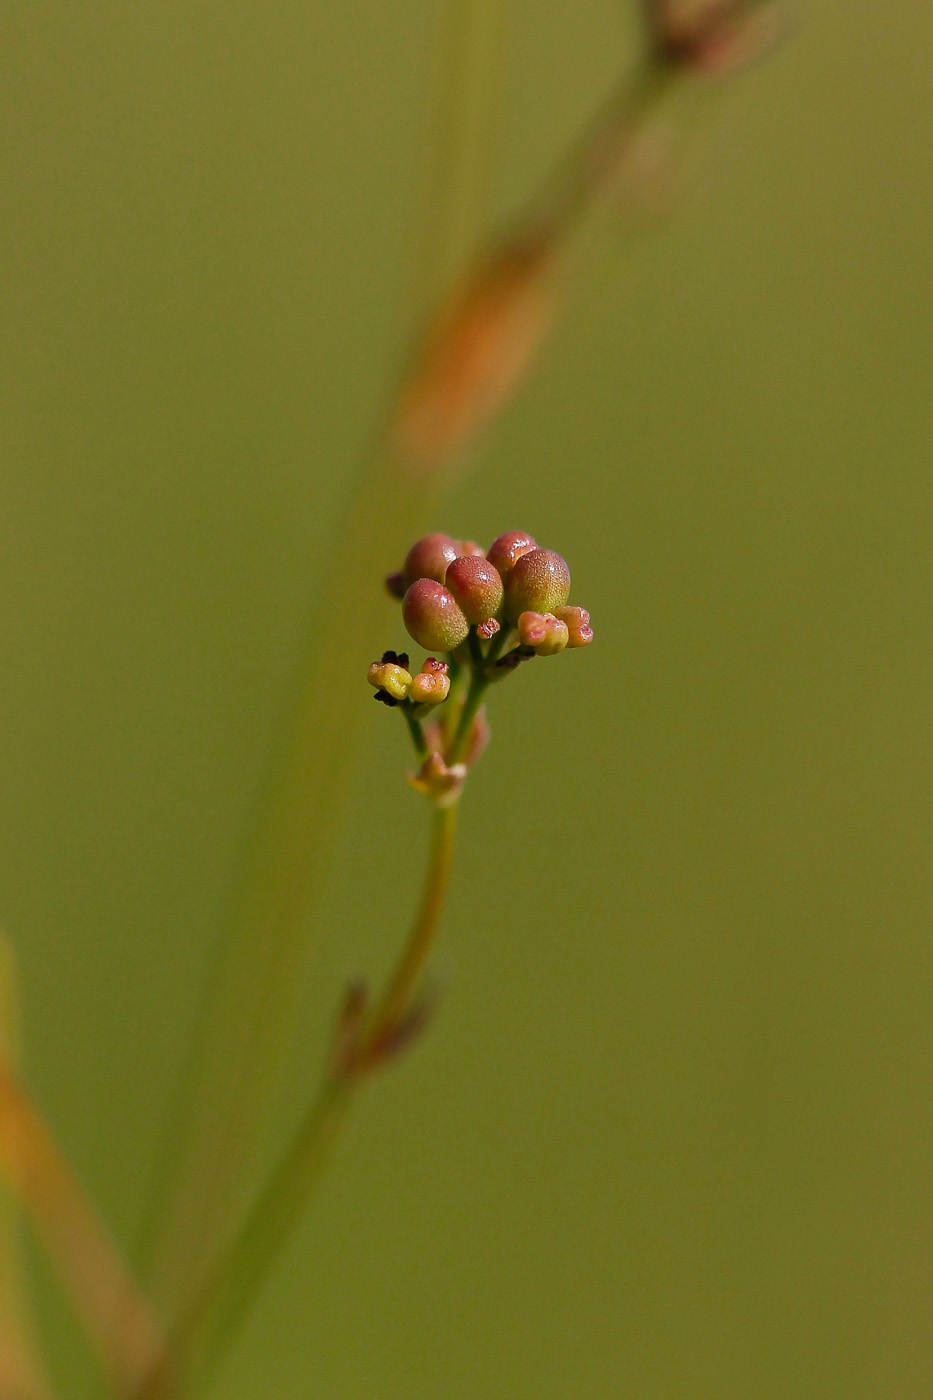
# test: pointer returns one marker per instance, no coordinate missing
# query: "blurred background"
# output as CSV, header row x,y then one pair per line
x,y
671,1137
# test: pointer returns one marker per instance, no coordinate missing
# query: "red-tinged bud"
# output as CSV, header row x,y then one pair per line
x,y
477,587
430,688
470,547
540,582
432,664
429,557
578,625
487,629
432,616
543,631
532,629
556,636
506,551
395,585
394,680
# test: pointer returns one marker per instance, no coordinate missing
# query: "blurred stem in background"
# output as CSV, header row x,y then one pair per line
x,y
21,1372
115,1317
248,1009
474,355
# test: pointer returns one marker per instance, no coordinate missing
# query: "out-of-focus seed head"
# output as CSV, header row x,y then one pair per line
x,y
477,587
487,629
395,585
433,617
539,582
393,679
430,688
578,625
506,551
429,557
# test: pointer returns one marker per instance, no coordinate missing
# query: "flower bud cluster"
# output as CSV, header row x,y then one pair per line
x,y
395,683
488,611
449,588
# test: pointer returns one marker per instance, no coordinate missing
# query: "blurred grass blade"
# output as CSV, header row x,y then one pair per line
x,y
465,104
248,1011
22,1376
116,1319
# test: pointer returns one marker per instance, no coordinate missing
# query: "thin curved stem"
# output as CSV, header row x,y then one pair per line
x,y
397,997
474,698
210,1322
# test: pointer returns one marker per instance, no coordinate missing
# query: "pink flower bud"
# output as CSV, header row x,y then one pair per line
x,y
429,557
540,582
531,629
432,616
543,631
578,625
431,663
477,587
487,629
430,688
470,547
506,551
556,636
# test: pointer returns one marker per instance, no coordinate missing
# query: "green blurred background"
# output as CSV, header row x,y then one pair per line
x,y
671,1138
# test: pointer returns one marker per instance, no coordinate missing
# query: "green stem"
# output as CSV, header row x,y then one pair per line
x,y
416,732
474,698
211,1320
397,997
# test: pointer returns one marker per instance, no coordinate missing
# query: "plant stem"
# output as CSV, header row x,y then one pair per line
x,y
474,698
397,997
210,1322
116,1318
416,732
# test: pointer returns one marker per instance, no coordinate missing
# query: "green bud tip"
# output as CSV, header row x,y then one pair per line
x,y
506,551
477,587
429,557
578,625
539,582
433,617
